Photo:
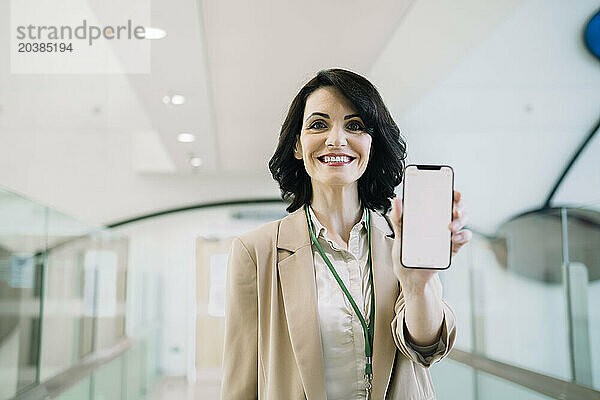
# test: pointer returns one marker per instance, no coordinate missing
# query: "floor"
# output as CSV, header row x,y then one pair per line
x,y
207,386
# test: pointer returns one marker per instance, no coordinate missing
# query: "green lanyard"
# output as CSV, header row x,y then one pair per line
x,y
368,330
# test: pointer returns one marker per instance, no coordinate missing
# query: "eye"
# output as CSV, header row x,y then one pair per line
x,y
355,126
317,125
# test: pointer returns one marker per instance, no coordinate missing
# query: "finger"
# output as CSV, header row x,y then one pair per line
x,y
459,204
397,209
396,216
457,195
457,212
459,240
456,247
462,237
458,224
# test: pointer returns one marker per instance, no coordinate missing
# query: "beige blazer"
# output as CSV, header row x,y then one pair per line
x,y
273,347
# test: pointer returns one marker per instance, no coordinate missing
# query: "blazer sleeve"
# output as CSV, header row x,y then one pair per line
x,y
423,355
240,352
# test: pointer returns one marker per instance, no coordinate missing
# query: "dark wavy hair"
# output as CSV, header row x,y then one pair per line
x,y
385,169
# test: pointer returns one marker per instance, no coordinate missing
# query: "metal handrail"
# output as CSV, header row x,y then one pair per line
x,y
63,381
540,383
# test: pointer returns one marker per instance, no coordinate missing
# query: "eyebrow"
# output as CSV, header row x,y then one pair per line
x,y
317,113
327,116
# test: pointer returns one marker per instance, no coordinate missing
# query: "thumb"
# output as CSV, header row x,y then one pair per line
x,y
396,216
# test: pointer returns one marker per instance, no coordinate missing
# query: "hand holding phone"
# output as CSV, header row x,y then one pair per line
x,y
413,280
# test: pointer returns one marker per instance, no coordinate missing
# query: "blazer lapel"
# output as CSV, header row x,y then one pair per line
x,y
298,288
386,293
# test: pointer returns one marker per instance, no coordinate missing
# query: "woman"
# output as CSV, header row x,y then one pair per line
x,y
294,330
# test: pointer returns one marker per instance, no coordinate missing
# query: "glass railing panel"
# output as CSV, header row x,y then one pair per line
x,y
109,257
490,387
109,382
145,383
152,361
81,391
67,324
130,376
517,296
68,320
133,377
593,297
583,235
63,228
63,290
23,225
457,292
453,380
84,293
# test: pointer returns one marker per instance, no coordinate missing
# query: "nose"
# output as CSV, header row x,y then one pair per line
x,y
336,137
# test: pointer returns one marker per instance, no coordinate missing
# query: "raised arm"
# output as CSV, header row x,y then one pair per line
x,y
425,352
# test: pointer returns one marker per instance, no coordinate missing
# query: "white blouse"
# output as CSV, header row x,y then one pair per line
x,y
341,331
342,334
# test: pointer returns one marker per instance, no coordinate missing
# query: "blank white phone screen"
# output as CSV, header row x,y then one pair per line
x,y
426,214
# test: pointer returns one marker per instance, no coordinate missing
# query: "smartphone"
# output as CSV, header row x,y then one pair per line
x,y
426,214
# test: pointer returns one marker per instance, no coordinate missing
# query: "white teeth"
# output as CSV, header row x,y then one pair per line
x,y
343,159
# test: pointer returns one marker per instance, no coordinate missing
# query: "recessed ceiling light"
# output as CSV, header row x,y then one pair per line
x,y
177,99
166,99
154,33
186,137
195,161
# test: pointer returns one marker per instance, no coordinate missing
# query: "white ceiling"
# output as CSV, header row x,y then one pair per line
x,y
503,91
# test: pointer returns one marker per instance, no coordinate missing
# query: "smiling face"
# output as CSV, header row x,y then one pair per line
x,y
333,144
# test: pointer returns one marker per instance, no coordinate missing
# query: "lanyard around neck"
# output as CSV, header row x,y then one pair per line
x,y
368,329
